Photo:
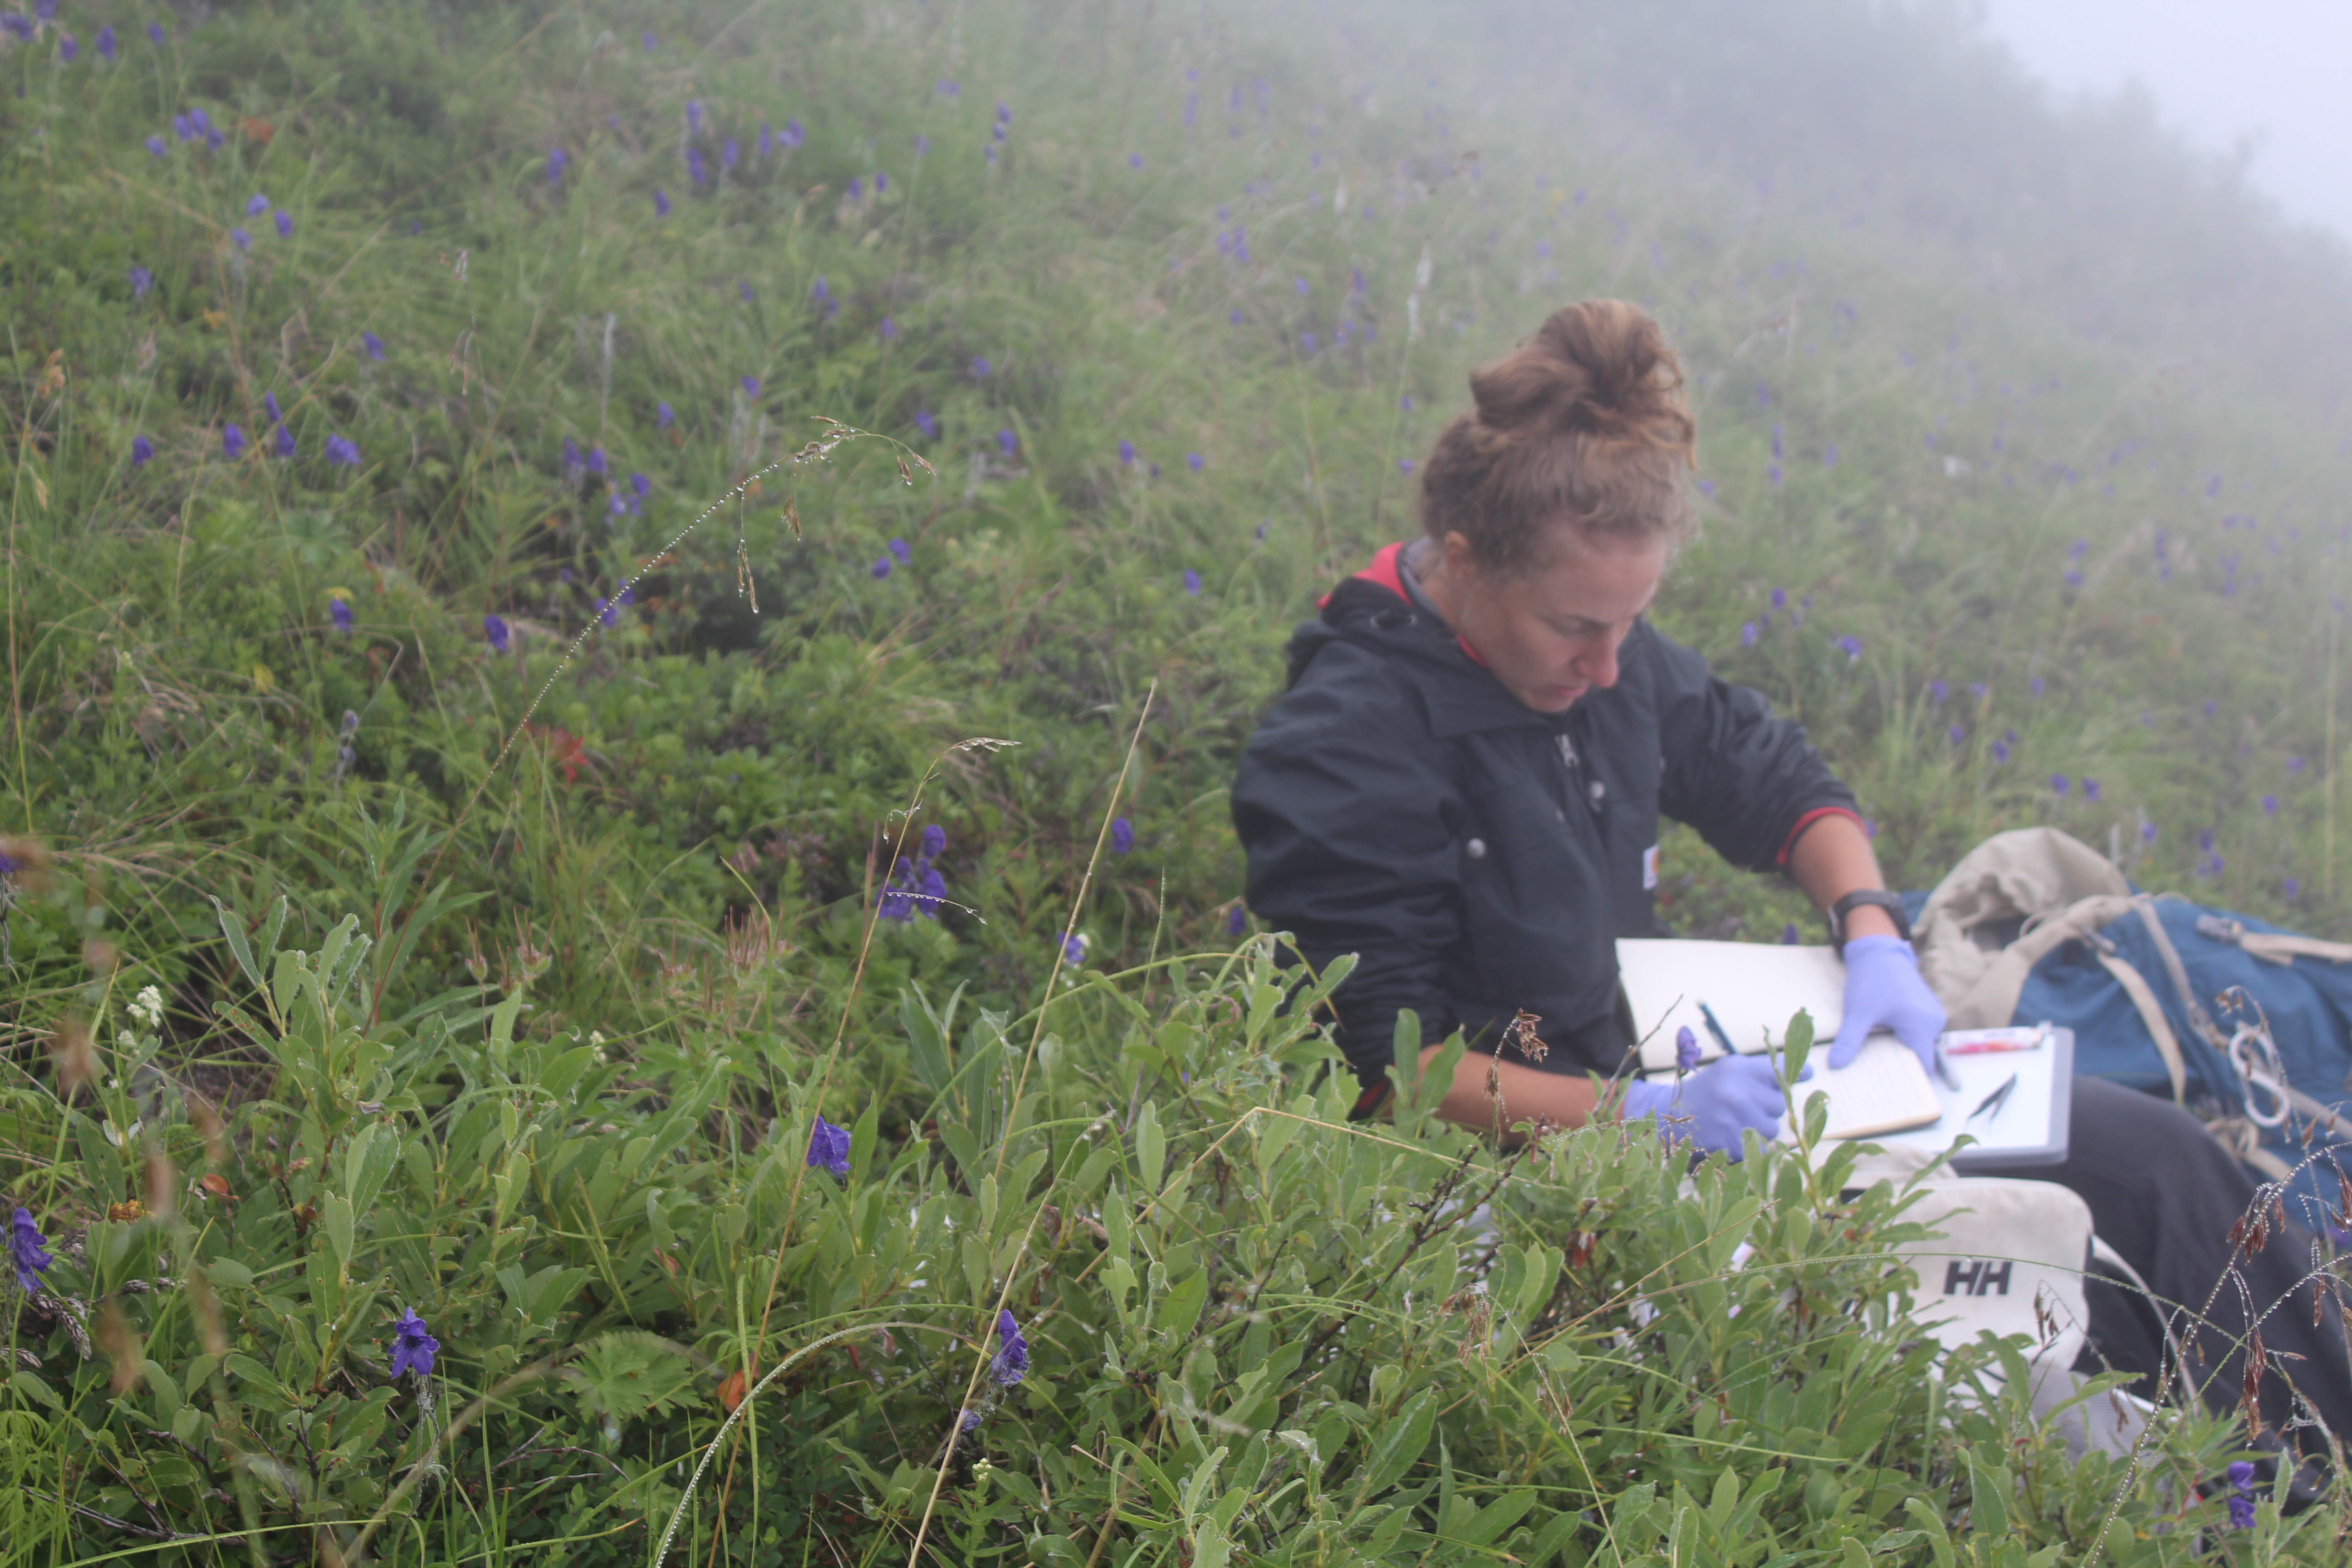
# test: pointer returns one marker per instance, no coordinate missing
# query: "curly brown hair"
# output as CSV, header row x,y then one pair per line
x,y
1582,424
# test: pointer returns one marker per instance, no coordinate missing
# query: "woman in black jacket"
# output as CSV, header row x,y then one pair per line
x,y
1462,785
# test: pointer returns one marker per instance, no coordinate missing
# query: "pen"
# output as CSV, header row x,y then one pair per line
x,y
1715,1028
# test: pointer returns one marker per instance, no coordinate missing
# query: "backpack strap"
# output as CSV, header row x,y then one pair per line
x,y
2151,1014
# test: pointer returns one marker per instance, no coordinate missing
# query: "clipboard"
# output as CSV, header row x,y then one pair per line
x,y
1754,988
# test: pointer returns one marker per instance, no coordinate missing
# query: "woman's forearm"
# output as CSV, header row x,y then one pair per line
x,y
1491,1096
1833,859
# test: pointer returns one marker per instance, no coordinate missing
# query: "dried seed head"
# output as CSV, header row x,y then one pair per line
x,y
1523,1039
74,1056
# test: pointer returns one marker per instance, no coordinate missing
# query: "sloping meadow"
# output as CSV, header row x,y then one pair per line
x,y
625,633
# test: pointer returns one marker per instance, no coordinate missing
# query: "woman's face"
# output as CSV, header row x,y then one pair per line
x,y
1552,635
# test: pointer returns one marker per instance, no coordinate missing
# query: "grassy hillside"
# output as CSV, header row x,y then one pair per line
x,y
415,545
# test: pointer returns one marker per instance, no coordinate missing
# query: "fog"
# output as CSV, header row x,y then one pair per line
x,y
2263,74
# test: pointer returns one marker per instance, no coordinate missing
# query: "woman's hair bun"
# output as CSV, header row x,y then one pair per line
x,y
1600,367
1582,424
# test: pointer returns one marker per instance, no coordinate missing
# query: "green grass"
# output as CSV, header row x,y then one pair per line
x,y
608,981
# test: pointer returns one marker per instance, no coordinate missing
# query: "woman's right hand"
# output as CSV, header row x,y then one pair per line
x,y
1713,1106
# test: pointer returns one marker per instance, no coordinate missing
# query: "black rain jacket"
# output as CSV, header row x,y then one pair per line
x,y
1479,858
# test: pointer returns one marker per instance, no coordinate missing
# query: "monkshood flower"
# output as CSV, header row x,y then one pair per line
x,y
1127,453
142,451
342,451
694,117
242,240
661,203
1122,836
286,447
1789,937
155,145
1195,461
1073,949
731,154
27,1249
140,281
2292,888
494,630
2270,805
2242,1490
557,159
269,402
880,569
750,386
232,442
696,169
967,1422
1851,648
928,423
1685,1049
767,140
254,206
935,839
2058,784
663,417
2091,790
67,48
1191,581
608,612
947,87
2148,832
1135,160
744,291
792,135
922,144
905,552
650,42
374,346
641,486
106,44
1236,920
979,369
1008,441
412,1345
828,1148
597,460
1404,464
1956,734
341,614
156,33
1012,1363
1749,631
285,222
889,328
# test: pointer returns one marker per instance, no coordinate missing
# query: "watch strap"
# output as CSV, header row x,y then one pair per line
x,y
1875,898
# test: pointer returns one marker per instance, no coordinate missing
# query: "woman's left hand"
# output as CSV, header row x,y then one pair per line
x,y
1883,991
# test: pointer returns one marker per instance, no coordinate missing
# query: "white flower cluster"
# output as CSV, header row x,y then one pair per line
x,y
147,1007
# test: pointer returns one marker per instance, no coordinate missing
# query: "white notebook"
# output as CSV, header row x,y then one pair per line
x,y
1753,988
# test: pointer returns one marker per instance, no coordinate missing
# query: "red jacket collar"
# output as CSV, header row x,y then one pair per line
x,y
1382,573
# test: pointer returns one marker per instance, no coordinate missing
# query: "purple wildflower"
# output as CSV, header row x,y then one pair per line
x,y
731,154
1789,937
1851,648
881,183
792,135
767,140
855,189
922,144
928,423
663,417
155,145
751,384
29,1251
694,117
696,169
905,552
202,121
828,1147
597,460
242,240
2148,832
880,569
269,402
156,33
256,205
1012,1363
413,1347
374,346
2058,784
1404,464
1780,598
967,1422
642,486
286,447
142,451
1236,920
1685,1049
1829,456
980,369
1073,950
935,839
140,281
557,158
1191,581
650,42
608,612
2270,805
1122,836
1195,461
2037,686
661,203
1127,453
2292,888
1749,633
1956,734
887,329
1008,442
2241,1477
2091,790
66,48
2295,764
232,442
106,43
1135,160
494,629
285,222
339,612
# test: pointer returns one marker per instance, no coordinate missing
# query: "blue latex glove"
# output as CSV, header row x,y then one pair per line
x,y
1714,1105
1883,991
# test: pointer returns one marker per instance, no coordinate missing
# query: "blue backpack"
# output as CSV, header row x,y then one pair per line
x,y
2244,1024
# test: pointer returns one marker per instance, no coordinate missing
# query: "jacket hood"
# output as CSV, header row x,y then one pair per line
x,y
1372,611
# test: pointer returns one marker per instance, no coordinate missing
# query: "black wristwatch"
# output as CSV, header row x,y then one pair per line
x,y
1877,897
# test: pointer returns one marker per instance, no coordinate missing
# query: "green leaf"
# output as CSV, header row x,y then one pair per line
x,y
228,1272
1179,1309
1150,1147
28,1386
1399,1446
335,1218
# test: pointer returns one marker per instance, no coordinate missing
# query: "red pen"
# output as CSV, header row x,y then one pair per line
x,y
1990,1042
